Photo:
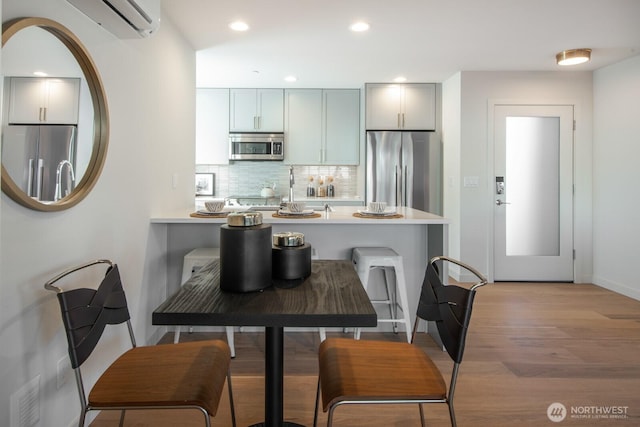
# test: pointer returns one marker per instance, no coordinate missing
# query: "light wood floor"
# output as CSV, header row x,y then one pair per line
x,y
529,345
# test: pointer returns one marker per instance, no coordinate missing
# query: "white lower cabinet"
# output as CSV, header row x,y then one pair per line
x,y
322,126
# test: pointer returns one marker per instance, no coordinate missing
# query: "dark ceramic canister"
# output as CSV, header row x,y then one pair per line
x,y
291,259
245,256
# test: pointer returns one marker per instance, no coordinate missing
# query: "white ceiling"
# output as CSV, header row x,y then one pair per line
x,y
424,40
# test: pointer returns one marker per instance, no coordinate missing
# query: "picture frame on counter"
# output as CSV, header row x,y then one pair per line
x,y
204,184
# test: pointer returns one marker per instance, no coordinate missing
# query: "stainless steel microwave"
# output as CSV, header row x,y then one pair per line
x,y
256,146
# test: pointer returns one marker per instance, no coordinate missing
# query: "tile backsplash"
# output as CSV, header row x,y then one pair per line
x,y
247,178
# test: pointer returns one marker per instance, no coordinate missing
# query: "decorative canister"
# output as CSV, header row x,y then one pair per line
x,y
291,259
245,253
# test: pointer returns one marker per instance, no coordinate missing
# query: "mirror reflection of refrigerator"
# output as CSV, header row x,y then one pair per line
x,y
404,168
39,157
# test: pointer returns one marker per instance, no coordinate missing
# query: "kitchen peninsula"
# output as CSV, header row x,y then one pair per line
x,y
414,234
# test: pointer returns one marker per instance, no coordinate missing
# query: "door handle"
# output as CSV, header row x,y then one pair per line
x,y
500,202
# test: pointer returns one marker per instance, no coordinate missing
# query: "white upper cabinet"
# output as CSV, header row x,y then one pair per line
x,y
212,126
256,110
322,126
410,106
43,100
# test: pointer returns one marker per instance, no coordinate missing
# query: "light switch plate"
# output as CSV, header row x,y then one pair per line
x,y
63,371
471,181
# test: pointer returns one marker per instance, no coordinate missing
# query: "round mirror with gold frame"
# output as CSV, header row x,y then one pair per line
x,y
90,134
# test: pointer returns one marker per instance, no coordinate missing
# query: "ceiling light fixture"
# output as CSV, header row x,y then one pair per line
x,y
573,56
239,26
400,79
291,79
359,27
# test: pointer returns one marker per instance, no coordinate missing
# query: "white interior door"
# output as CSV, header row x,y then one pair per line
x,y
533,193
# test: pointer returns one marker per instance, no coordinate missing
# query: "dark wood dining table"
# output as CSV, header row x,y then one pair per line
x,y
332,296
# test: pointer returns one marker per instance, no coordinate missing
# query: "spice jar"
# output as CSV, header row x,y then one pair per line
x,y
311,189
331,190
322,190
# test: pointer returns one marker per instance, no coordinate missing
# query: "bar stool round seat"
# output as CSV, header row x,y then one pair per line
x,y
366,259
193,261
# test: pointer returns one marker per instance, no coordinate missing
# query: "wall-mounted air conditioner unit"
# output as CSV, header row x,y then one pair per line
x,y
126,19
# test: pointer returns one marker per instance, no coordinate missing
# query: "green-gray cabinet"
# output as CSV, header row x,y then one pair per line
x,y
212,126
256,110
322,126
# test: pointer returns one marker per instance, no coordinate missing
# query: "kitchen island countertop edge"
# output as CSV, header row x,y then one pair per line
x,y
340,215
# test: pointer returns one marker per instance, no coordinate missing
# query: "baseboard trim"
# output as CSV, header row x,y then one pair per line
x,y
617,287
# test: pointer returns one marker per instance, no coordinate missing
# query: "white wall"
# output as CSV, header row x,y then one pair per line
x,y
477,90
451,127
616,205
150,92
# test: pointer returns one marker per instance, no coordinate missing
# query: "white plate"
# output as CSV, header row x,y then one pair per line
x,y
210,213
385,213
288,212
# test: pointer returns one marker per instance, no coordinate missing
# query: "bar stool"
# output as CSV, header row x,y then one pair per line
x,y
193,261
366,259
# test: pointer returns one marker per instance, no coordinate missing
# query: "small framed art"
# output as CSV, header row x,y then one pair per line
x,y
204,184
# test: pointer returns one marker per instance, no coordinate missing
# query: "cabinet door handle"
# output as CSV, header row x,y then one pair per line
x,y
402,120
398,120
45,114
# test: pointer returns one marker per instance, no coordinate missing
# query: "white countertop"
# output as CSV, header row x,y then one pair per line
x,y
340,215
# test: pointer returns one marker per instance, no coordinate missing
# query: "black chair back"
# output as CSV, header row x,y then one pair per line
x,y
449,306
86,313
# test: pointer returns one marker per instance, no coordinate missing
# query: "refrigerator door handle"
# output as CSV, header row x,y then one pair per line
x,y
30,176
39,178
398,195
405,195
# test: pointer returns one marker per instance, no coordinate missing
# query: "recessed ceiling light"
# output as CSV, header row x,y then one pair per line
x,y
239,26
291,79
40,74
400,79
359,26
573,56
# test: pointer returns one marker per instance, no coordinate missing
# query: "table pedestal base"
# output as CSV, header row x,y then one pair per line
x,y
284,424
274,379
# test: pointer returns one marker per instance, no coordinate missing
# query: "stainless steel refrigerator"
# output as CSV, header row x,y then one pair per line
x,y
405,169
40,159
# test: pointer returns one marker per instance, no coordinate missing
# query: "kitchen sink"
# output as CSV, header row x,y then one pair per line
x,y
264,208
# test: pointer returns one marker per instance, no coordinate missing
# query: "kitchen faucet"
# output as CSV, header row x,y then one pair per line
x,y
70,179
292,181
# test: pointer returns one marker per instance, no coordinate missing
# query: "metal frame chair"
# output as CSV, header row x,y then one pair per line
x,y
370,371
169,376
